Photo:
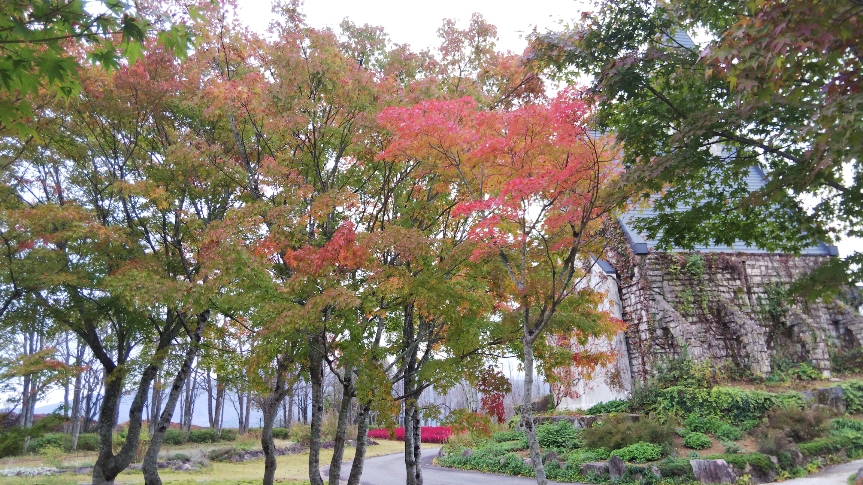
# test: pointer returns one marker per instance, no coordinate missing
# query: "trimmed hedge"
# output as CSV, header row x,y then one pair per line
x,y
281,433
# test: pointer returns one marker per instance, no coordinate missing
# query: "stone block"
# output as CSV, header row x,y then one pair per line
x,y
616,468
713,471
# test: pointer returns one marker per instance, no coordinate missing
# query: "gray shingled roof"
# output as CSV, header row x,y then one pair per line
x,y
641,245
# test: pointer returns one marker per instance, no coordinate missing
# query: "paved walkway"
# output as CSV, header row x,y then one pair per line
x,y
833,475
390,470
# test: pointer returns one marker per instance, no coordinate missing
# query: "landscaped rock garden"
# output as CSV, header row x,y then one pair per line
x,y
682,434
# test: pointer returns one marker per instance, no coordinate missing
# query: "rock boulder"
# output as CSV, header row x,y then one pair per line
x,y
713,471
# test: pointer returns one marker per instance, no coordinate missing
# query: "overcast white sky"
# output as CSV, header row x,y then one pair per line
x,y
416,23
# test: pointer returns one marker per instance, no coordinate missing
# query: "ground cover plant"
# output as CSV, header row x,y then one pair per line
x,y
768,435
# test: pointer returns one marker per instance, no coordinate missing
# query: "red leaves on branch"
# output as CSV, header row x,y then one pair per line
x,y
494,386
341,252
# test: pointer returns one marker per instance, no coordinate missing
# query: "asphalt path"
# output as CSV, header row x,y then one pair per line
x,y
390,470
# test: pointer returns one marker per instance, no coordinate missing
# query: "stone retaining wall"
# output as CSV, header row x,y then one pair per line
x,y
728,309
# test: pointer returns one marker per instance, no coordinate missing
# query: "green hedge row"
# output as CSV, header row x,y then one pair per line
x,y
734,405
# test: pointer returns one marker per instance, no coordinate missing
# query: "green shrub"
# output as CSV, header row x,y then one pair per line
x,y
61,441
561,435
511,435
229,435
697,441
281,433
735,405
759,461
847,362
180,457
731,447
615,432
493,458
799,424
175,436
749,425
88,442
676,468
853,396
702,424
576,458
639,452
301,433
728,432
202,436
773,442
616,406
844,423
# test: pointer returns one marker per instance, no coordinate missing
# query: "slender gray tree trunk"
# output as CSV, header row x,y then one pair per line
x,y
108,465
270,409
341,428
150,468
527,411
316,376
360,454
76,398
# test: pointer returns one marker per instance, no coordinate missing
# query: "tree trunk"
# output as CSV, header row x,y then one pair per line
x,y
341,428
412,466
108,465
210,400
527,412
270,409
155,405
76,398
240,410
417,442
150,468
316,374
248,410
360,454
189,403
219,408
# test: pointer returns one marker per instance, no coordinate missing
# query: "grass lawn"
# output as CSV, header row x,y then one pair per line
x,y
292,469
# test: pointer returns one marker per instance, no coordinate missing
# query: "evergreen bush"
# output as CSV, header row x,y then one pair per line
x,y
203,436
175,436
616,432
640,452
561,435
697,441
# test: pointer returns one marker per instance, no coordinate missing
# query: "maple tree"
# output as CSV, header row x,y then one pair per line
x,y
771,84
533,187
34,41
493,385
106,211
